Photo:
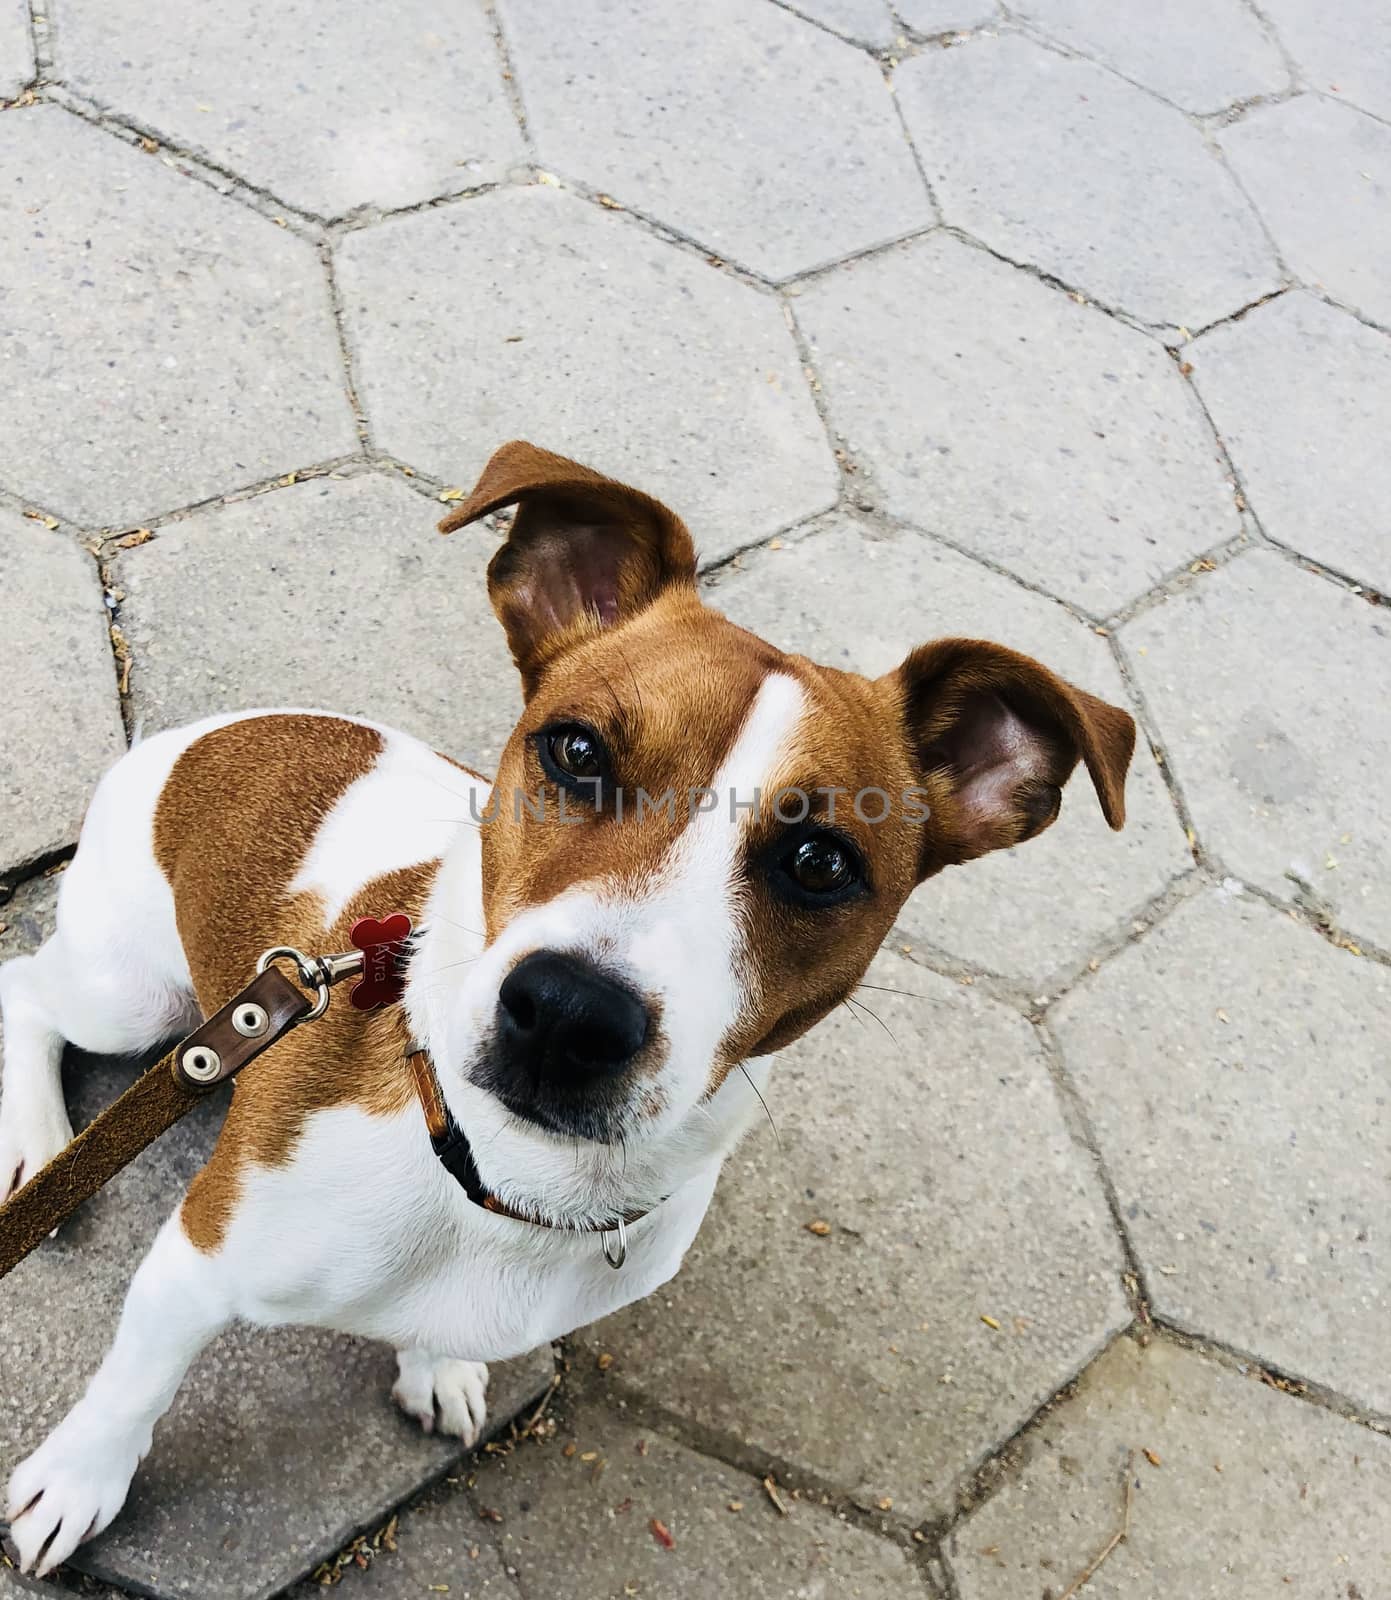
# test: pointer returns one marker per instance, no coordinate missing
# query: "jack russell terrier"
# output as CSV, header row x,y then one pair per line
x,y
590,964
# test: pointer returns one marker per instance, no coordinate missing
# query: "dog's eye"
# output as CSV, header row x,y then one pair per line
x,y
577,753
822,867
574,757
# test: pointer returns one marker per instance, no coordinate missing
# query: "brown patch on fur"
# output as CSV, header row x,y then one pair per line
x,y
238,815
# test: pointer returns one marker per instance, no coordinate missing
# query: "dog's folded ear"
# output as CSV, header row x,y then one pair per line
x,y
584,551
994,735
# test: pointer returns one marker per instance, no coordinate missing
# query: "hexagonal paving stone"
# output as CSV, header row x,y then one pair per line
x,y
280,1444
1254,1493
934,1148
16,48
164,344
862,602
328,109
862,21
1201,54
581,331
1058,163
763,138
1234,1066
567,1529
60,719
1300,393
1344,49
1261,680
990,408
1320,174
389,620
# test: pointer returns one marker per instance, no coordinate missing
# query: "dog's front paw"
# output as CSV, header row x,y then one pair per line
x,y
68,1490
28,1142
441,1393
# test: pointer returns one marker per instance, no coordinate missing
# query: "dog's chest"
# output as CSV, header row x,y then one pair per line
x,y
384,1244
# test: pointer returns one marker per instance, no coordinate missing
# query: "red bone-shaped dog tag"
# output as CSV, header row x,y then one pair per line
x,y
382,943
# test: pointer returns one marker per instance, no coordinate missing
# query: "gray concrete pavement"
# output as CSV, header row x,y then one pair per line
x,y
1058,323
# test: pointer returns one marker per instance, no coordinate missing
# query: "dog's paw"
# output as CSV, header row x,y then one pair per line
x,y
27,1145
441,1393
68,1490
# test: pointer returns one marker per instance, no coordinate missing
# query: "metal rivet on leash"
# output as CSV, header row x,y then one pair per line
x,y
251,1020
617,1254
201,1063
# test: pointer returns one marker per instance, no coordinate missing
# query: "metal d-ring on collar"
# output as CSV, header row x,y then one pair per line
x,y
618,1254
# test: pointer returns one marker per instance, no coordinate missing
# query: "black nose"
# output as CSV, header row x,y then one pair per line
x,y
561,1020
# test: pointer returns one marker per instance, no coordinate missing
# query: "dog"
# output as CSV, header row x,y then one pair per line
x,y
593,991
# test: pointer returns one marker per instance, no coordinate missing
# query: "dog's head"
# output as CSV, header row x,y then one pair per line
x,y
696,842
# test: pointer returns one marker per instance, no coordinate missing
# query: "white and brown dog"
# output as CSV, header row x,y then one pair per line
x,y
592,963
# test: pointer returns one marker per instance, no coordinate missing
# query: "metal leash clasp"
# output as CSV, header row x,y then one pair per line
x,y
319,973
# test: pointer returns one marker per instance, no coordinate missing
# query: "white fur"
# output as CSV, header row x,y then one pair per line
x,y
363,1230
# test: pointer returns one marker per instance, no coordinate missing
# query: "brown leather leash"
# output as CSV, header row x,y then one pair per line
x,y
217,1050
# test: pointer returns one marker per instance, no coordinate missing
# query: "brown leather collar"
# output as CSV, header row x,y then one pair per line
x,y
451,1145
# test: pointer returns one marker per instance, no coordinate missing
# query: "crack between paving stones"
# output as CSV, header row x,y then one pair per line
x,y
882,521
1180,579
13,879
1025,995
1082,297
978,1484
864,46
666,231
199,168
41,40
795,282
727,1449
346,354
1078,1122
1231,317
1257,1368
507,70
1310,911
1028,29
1263,539
920,43
250,491
1272,244
806,360
1128,931
1272,33
1145,718
367,215
1364,591
919,166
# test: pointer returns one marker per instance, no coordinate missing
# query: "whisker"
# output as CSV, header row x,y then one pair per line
x,y
457,793
439,916
884,1025
448,966
858,1018
883,988
777,1137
